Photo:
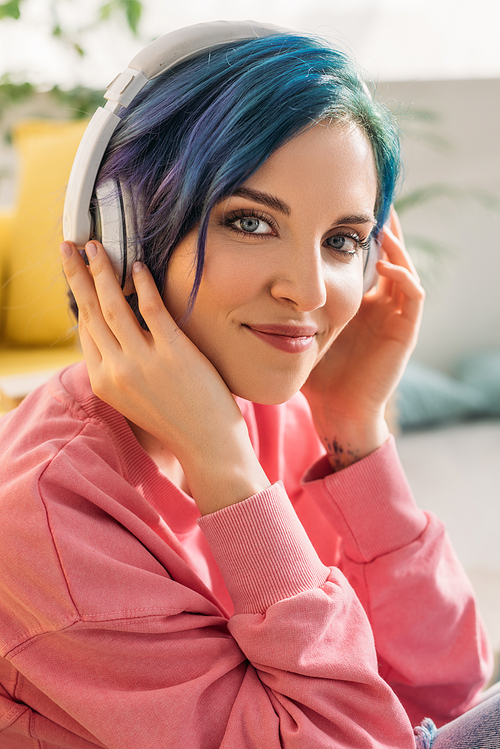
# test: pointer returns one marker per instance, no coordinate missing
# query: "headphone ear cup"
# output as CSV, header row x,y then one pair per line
x,y
370,275
113,227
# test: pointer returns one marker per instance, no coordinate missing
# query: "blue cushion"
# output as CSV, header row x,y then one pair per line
x,y
482,371
427,396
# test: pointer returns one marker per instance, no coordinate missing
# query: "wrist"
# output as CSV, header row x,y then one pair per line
x,y
347,440
225,478
222,487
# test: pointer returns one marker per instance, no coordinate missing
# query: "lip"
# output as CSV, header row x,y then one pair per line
x,y
293,339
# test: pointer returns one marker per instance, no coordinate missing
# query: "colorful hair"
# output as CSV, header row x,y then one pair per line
x,y
197,132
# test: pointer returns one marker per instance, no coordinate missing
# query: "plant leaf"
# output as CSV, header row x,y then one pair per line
x,y
420,195
132,9
133,12
426,245
80,101
106,10
10,9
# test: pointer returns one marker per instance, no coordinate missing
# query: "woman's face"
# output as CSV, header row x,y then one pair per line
x,y
284,263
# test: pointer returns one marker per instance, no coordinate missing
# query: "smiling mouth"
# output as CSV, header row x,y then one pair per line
x,y
292,339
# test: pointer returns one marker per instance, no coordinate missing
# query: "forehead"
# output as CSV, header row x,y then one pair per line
x,y
324,168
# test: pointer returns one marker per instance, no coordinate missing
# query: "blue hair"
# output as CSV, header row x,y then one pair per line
x,y
197,132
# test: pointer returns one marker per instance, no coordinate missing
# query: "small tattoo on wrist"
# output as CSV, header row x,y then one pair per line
x,y
340,456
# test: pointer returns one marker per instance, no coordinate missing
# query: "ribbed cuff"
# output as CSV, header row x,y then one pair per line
x,y
370,503
262,550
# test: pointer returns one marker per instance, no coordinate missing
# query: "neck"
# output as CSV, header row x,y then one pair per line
x,y
162,456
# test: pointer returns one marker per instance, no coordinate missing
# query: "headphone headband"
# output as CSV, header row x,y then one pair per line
x,y
181,44
171,49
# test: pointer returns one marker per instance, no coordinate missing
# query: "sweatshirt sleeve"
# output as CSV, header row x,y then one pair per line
x,y
429,637
148,660
303,631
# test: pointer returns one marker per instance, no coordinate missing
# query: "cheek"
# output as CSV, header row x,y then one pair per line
x,y
175,297
344,297
230,281
225,284
179,278
228,284
345,293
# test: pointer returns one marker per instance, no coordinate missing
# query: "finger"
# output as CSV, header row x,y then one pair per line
x,y
385,287
396,251
114,307
83,288
151,304
90,350
404,284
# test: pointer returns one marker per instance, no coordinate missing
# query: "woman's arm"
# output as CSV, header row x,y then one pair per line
x,y
348,390
108,634
160,381
430,641
428,634
144,654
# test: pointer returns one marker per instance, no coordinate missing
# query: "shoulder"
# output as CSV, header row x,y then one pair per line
x,y
55,453
64,412
78,539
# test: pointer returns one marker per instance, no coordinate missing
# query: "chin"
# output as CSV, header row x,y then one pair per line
x,y
270,392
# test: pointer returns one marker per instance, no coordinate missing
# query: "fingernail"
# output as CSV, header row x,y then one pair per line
x,y
66,249
137,267
91,250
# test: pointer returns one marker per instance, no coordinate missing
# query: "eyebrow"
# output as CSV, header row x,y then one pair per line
x,y
263,197
279,205
357,218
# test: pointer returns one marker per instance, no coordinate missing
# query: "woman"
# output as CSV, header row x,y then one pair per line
x,y
207,538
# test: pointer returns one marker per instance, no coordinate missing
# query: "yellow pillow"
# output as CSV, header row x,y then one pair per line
x,y
5,242
35,301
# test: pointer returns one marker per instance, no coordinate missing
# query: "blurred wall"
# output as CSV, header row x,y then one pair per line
x,y
463,303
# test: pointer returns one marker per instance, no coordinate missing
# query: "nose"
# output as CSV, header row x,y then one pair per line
x,y
301,279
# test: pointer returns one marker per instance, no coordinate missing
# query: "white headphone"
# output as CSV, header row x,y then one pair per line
x,y
110,221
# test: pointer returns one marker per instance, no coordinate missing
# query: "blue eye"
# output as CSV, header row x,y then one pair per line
x,y
252,225
341,243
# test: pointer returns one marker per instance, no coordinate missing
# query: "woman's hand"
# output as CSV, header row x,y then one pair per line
x,y
160,381
349,388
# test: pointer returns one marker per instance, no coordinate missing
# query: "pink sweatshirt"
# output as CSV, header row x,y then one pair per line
x,y
327,611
